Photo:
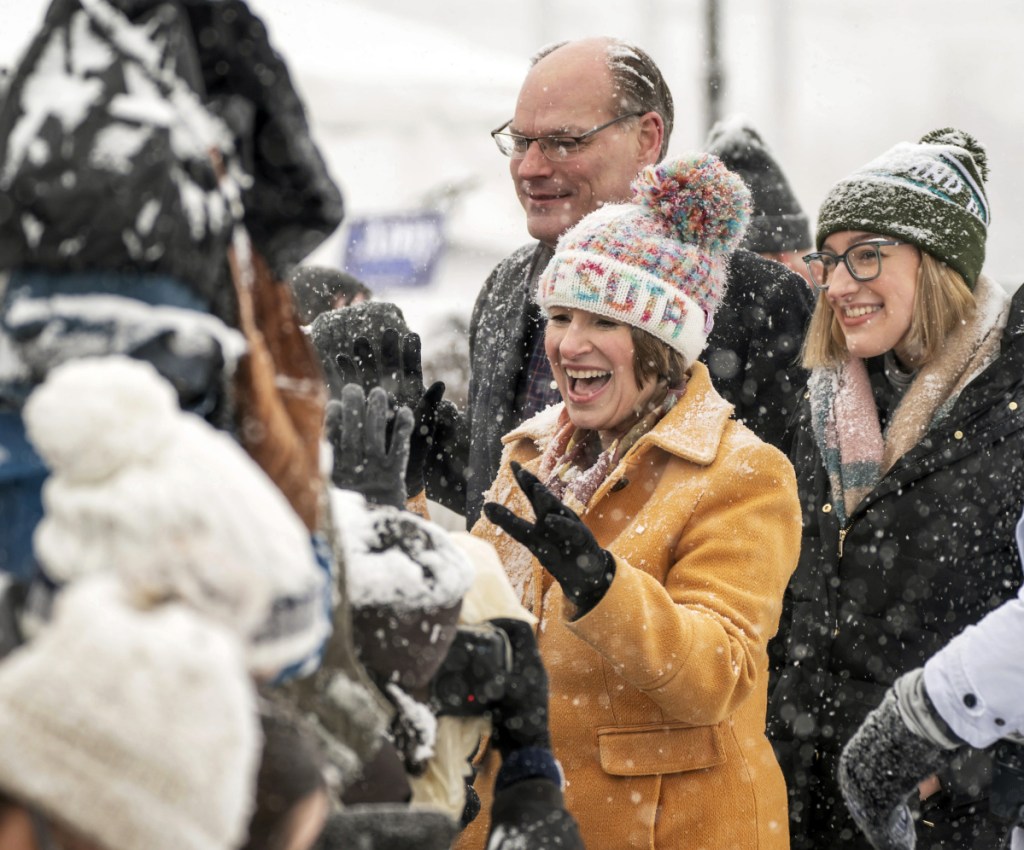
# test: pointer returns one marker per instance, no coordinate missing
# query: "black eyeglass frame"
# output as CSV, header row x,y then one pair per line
x,y
877,244
556,141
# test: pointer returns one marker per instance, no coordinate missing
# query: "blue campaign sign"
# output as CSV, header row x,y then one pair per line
x,y
391,251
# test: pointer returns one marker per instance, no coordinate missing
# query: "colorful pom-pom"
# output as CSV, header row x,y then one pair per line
x,y
707,204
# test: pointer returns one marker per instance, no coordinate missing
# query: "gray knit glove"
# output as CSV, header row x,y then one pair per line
x,y
394,362
883,763
356,428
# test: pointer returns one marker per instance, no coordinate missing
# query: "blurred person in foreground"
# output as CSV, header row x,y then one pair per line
x,y
779,229
909,452
969,692
650,533
590,115
126,726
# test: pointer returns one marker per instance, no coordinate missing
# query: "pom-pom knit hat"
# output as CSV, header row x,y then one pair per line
x,y
659,262
136,729
174,507
930,194
778,222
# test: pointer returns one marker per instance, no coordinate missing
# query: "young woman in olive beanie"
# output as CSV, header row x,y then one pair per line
x,y
909,451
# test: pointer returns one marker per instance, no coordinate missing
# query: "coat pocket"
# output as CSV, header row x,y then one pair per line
x,y
658,749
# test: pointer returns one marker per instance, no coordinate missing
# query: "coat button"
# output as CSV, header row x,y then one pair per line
x,y
1012,405
1000,722
826,508
958,435
970,700
621,484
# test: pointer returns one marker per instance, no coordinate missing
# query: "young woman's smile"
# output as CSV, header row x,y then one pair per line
x,y
874,315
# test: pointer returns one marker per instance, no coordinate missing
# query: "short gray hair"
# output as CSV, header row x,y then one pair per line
x,y
635,74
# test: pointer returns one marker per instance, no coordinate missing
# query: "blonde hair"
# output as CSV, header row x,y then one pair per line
x,y
942,301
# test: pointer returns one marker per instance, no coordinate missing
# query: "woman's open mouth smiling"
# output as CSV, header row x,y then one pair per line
x,y
584,384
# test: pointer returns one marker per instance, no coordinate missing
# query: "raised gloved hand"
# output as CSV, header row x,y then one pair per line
x,y
559,540
886,760
397,367
363,461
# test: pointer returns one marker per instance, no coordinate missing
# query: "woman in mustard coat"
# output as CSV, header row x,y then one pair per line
x,y
650,533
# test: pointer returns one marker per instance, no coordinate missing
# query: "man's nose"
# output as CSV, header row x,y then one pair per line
x,y
533,163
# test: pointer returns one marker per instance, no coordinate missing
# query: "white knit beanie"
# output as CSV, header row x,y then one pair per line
x,y
660,262
137,729
174,506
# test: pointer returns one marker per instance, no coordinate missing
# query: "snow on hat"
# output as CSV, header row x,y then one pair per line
x,y
175,507
778,222
398,559
405,581
134,728
930,194
658,263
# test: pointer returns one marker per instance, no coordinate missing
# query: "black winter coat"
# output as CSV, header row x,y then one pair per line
x,y
929,551
751,354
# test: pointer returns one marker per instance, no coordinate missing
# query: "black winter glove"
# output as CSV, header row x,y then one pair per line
x,y
496,669
397,367
355,428
532,814
560,541
881,765
520,715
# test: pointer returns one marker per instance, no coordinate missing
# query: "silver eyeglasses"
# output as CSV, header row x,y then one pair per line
x,y
555,148
863,261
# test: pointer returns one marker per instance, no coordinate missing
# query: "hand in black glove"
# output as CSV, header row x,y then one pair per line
x,y
397,367
520,715
532,814
355,428
496,668
881,765
560,541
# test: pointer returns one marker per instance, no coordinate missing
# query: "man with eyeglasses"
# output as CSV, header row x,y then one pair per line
x,y
591,114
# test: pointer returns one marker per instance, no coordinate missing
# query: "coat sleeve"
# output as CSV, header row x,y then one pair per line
x,y
975,681
696,644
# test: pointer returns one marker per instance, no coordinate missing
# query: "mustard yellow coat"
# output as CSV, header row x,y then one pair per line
x,y
658,694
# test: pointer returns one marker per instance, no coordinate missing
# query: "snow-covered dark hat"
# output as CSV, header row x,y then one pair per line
x,y
930,194
778,222
317,289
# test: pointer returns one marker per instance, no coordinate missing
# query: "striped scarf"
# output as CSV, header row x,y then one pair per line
x,y
573,467
844,417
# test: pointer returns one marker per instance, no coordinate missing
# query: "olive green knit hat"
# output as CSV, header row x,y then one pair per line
x,y
931,194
